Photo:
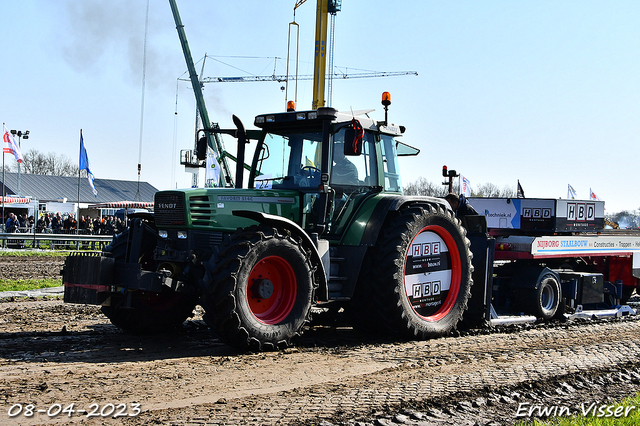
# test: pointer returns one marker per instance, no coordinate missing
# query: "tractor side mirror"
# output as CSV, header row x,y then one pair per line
x,y
352,144
201,148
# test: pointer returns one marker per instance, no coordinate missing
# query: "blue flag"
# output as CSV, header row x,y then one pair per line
x,y
84,165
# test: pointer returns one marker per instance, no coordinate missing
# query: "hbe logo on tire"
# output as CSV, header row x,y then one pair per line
x,y
427,273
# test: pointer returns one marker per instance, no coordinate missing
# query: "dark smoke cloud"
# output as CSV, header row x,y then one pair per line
x,y
102,34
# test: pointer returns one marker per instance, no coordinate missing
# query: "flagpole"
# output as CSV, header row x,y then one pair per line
x,y
78,209
4,221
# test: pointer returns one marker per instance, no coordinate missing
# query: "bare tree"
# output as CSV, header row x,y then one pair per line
x,y
426,188
492,190
38,163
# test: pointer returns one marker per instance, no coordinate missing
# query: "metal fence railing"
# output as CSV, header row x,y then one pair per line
x,y
69,241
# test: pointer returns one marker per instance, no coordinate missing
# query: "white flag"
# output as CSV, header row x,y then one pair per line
x,y
466,186
212,171
571,193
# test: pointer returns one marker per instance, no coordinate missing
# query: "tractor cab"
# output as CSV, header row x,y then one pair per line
x,y
335,160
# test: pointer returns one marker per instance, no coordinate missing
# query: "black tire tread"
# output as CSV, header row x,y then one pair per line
x,y
219,285
385,312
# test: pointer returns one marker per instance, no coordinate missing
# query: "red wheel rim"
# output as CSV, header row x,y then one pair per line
x,y
281,282
455,268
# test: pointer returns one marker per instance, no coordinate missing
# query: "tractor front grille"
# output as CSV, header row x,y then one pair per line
x,y
169,209
200,210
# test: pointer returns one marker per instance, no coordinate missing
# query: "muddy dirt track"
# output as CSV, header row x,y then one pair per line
x,y
31,267
53,355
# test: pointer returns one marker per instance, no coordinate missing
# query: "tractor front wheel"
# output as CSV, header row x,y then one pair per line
x,y
257,293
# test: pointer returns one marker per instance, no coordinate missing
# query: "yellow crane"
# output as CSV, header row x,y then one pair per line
x,y
322,81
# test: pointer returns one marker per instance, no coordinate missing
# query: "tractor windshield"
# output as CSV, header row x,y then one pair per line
x,y
290,161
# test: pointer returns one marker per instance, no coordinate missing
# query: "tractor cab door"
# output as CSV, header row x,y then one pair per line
x,y
353,178
290,161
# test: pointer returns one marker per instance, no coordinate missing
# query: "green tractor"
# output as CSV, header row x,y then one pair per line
x,y
322,221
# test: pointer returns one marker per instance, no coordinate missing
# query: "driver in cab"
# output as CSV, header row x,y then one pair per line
x,y
343,172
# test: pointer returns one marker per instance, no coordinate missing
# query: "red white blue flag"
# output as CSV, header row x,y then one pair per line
x,y
9,145
466,186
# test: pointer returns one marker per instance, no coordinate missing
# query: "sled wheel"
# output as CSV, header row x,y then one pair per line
x,y
257,292
150,312
422,273
547,298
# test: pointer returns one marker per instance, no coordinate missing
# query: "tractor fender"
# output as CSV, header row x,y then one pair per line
x,y
391,204
283,223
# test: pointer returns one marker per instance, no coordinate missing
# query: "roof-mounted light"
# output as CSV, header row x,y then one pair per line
x,y
291,106
301,116
260,119
271,118
386,98
312,115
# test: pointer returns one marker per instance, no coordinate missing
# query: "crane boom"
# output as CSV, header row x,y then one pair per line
x,y
283,78
213,139
320,55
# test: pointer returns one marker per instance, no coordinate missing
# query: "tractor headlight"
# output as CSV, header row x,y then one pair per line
x,y
182,235
163,234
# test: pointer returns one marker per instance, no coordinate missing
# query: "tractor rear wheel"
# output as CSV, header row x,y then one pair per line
x,y
257,293
422,273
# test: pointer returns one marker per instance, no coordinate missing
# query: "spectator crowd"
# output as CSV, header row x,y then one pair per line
x,y
56,223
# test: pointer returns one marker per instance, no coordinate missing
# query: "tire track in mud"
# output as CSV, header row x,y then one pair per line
x,y
56,353
429,370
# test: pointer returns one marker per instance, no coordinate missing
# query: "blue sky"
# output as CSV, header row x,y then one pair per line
x,y
546,92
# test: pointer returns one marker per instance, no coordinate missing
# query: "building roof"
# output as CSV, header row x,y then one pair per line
x,y
53,188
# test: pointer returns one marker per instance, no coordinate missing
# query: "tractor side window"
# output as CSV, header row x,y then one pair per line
x,y
357,170
289,161
351,181
390,163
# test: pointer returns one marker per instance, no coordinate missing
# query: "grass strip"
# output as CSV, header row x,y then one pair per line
x,y
30,253
21,285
